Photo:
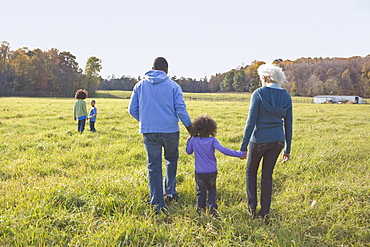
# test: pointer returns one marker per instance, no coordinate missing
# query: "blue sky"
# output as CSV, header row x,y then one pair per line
x,y
198,37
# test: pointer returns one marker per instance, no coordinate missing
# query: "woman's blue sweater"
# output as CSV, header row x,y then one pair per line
x,y
270,117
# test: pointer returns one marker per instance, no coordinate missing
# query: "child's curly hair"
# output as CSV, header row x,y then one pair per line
x,y
204,126
81,94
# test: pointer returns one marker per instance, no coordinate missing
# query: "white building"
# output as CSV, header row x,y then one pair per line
x,y
336,99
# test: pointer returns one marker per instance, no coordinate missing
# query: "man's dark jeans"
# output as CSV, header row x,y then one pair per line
x,y
206,182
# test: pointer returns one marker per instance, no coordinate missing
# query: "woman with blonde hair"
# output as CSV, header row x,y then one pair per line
x,y
268,131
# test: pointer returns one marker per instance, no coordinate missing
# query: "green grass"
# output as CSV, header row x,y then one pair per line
x,y
215,97
60,188
112,94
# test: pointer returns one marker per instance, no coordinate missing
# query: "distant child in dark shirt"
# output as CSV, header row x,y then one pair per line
x,y
92,116
79,109
203,144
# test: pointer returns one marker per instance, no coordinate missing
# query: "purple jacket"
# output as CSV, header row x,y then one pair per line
x,y
204,153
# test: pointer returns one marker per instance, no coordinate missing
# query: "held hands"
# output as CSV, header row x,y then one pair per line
x,y
285,157
244,156
189,129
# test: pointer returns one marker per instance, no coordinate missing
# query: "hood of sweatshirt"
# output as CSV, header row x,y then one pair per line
x,y
155,76
274,107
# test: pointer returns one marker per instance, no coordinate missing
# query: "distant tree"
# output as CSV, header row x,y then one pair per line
x,y
92,70
227,83
330,87
276,61
38,78
365,78
330,72
252,76
314,85
215,81
52,61
240,82
5,69
35,72
68,74
203,85
20,67
345,82
291,79
294,89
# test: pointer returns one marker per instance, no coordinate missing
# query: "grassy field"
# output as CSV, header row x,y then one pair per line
x,y
60,188
215,97
187,96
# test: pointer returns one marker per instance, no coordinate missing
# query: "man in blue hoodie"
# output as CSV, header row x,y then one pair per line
x,y
157,104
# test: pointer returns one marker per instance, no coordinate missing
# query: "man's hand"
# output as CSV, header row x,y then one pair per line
x,y
189,128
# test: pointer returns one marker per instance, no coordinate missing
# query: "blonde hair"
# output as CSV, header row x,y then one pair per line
x,y
272,72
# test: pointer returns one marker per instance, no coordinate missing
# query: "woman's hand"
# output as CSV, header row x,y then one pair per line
x,y
286,157
244,156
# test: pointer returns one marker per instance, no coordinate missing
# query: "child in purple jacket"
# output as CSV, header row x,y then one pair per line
x,y
203,144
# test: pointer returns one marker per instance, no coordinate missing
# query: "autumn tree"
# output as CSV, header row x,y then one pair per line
x,y
52,60
345,82
330,86
5,70
38,78
365,78
314,85
215,81
252,76
19,63
35,72
294,89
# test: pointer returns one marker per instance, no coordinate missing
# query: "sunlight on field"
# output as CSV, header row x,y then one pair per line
x,y
60,188
216,97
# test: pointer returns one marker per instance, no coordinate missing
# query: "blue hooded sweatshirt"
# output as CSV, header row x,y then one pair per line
x,y
157,103
270,117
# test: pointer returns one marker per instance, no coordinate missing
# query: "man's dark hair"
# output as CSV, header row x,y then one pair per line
x,y
160,63
81,94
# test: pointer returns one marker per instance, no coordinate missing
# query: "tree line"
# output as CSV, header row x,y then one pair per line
x,y
35,72
25,72
305,77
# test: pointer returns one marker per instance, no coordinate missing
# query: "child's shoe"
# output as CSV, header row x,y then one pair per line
x,y
171,198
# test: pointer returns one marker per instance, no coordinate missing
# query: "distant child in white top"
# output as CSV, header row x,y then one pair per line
x,y
203,144
92,116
